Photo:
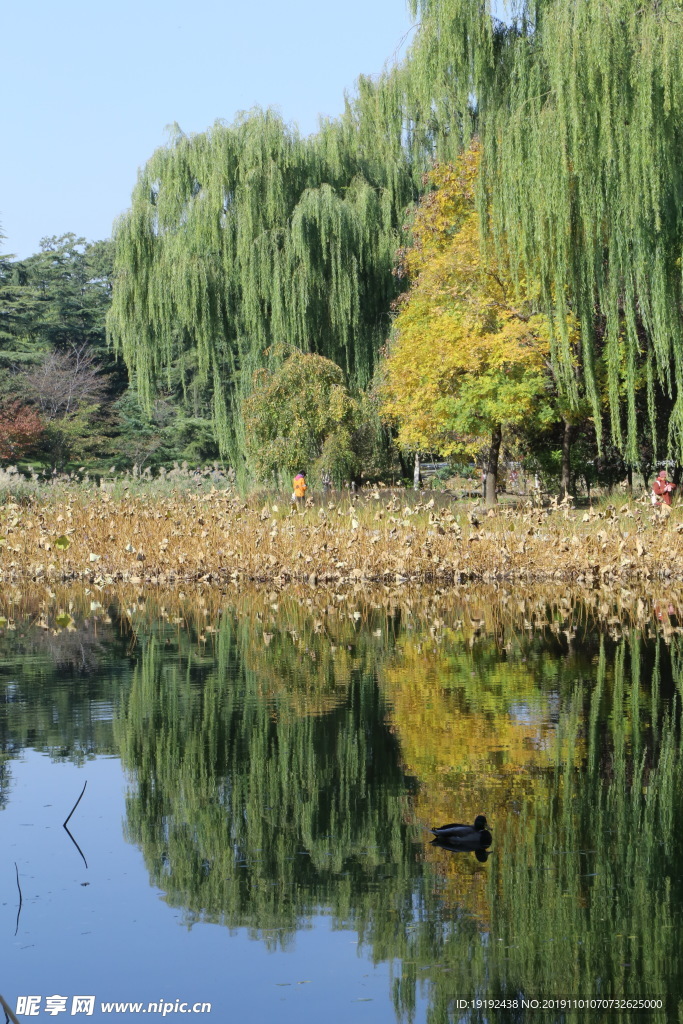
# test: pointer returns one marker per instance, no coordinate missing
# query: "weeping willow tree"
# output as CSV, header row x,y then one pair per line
x,y
248,236
579,104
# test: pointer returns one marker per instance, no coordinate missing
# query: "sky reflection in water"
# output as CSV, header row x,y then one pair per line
x,y
104,931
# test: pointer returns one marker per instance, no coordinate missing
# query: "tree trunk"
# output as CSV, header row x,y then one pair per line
x,y
566,459
405,469
416,472
492,466
629,477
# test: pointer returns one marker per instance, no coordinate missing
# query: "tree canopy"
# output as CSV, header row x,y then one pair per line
x,y
300,415
248,236
579,107
469,356
248,240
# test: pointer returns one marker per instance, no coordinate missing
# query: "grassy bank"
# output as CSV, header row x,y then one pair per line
x,y
217,538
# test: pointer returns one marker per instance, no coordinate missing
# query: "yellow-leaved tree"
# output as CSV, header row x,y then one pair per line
x,y
469,358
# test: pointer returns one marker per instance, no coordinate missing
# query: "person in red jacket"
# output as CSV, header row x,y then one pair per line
x,y
662,490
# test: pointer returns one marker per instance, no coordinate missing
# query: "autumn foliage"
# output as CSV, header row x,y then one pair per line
x,y
468,355
21,430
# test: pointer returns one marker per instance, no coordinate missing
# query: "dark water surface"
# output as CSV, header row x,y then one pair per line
x,y
261,777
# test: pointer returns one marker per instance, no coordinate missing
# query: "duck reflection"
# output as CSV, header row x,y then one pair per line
x,y
479,851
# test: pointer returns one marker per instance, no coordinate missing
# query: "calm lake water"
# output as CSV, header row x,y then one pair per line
x,y
261,777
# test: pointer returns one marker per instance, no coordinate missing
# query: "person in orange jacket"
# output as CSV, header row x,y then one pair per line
x,y
662,490
299,485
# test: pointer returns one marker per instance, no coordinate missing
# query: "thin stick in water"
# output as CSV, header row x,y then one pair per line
x,y
21,898
8,1013
77,803
68,832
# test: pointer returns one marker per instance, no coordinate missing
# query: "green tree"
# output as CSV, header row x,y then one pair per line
x,y
249,234
301,415
170,434
53,349
71,282
579,107
18,312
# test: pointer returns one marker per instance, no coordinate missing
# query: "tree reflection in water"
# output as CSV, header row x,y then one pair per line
x,y
285,762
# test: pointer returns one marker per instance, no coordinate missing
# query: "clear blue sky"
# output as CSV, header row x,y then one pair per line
x,y
90,87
